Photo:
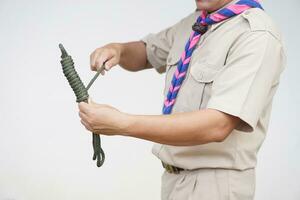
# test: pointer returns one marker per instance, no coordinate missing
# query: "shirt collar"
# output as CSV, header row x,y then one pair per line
x,y
214,26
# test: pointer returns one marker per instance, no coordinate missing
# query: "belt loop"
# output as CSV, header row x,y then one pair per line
x,y
171,169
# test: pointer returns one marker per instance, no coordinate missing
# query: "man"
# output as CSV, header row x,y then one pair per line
x,y
208,139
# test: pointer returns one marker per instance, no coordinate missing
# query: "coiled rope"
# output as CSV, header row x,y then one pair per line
x,y
81,93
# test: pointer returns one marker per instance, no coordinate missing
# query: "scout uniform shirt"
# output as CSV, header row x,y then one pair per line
x,y
235,69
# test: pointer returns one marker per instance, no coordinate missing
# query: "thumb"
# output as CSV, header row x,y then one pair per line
x,y
110,63
90,101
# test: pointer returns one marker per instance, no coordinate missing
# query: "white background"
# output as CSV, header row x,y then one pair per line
x,y
45,153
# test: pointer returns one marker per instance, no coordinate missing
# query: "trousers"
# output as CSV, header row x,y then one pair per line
x,y
208,184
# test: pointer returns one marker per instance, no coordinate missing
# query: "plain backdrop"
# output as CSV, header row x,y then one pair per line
x,y
45,153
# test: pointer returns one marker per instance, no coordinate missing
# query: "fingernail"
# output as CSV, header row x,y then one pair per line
x,y
106,67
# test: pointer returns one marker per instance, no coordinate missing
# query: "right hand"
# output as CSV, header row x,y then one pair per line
x,y
109,54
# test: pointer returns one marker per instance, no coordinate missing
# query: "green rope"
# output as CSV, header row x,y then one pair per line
x,y
81,93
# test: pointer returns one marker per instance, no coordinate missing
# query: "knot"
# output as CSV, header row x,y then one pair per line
x,y
199,28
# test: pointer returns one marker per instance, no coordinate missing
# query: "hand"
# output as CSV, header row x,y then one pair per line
x,y
109,54
102,118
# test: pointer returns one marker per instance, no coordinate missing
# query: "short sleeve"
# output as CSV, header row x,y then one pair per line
x,y
243,87
158,45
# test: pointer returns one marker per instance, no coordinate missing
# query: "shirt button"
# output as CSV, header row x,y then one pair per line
x,y
247,12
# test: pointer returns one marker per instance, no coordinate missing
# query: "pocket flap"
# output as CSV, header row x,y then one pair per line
x,y
174,56
204,72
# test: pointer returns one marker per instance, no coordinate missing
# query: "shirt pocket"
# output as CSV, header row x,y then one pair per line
x,y
202,76
195,90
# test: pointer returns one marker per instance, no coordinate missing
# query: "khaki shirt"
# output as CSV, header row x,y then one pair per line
x,y
235,69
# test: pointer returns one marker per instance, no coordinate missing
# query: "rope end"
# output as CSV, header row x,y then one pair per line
x,y
63,51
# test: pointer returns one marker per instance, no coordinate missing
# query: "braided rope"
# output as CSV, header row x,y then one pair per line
x,y
81,93
183,64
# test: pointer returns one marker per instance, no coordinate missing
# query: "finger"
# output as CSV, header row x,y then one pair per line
x,y
110,63
84,117
93,58
84,107
104,56
86,125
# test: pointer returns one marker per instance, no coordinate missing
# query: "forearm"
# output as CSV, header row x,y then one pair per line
x,y
133,56
182,129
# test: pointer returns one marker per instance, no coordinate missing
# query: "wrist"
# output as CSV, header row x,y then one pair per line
x,y
127,124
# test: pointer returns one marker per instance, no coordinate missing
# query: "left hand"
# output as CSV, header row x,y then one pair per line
x,y
102,118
